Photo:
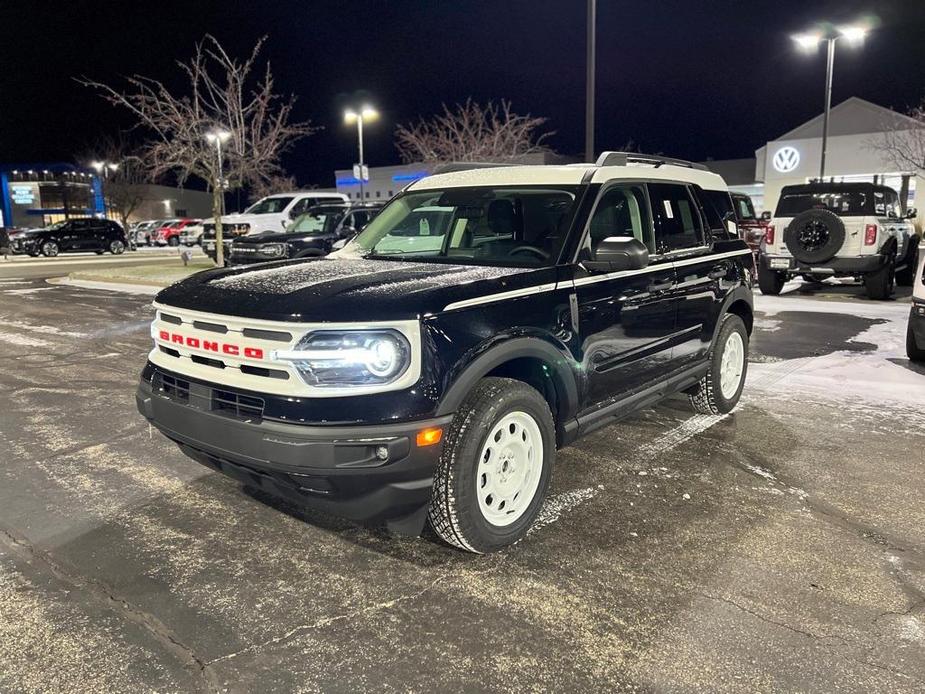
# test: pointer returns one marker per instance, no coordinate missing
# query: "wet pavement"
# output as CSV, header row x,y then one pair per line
x,y
779,548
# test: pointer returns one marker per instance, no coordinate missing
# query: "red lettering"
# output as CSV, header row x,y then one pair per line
x,y
230,349
176,338
164,335
192,342
253,353
209,346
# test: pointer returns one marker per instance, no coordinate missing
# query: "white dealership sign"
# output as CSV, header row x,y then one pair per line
x,y
786,159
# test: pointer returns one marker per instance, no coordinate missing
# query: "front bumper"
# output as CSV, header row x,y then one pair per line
x,y
836,266
332,468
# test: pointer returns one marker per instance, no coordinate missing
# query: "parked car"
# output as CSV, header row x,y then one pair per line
x,y
751,227
270,214
12,233
915,331
391,383
144,230
74,236
191,234
822,230
312,234
169,234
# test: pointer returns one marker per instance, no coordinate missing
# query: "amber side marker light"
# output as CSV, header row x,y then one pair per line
x,y
428,437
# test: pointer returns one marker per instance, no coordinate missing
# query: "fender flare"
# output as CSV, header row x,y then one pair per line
x,y
494,356
738,294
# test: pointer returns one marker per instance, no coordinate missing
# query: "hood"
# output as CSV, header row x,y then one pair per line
x,y
267,237
344,290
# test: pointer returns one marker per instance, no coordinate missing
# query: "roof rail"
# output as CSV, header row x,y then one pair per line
x,y
454,166
624,158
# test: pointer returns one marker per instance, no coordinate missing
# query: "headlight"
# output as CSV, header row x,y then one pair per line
x,y
273,249
350,358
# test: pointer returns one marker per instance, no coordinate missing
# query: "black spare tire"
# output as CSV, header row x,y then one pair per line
x,y
815,236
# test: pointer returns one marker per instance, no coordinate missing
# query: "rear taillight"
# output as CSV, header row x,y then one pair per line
x,y
769,235
870,234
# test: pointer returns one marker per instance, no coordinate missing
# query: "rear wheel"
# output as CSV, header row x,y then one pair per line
x,y
173,241
906,276
880,284
116,247
769,281
913,350
494,468
720,389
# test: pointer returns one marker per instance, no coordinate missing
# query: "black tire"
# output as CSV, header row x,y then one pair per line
x,y
116,247
906,276
881,283
50,249
455,512
173,241
770,282
913,351
815,236
707,396
35,253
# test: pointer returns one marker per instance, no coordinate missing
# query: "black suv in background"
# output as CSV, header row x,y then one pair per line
x,y
312,234
78,235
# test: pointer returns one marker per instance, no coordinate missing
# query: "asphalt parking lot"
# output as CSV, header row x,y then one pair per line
x,y
779,548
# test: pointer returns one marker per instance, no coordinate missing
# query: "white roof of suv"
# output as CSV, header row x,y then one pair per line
x,y
608,167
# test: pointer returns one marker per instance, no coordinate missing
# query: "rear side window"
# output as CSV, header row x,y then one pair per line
x,y
677,221
716,205
847,203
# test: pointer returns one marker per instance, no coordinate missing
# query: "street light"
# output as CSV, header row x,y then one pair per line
x,y
366,113
809,42
102,169
217,137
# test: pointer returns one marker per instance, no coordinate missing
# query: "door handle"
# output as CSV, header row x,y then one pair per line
x,y
655,287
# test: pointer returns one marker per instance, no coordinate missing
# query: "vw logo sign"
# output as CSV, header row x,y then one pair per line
x,y
786,159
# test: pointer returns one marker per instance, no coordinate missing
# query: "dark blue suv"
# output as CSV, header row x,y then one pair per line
x,y
484,319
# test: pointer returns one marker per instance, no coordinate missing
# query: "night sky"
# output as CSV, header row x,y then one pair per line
x,y
689,79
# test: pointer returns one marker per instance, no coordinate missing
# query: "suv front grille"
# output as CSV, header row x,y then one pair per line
x,y
174,388
204,397
236,405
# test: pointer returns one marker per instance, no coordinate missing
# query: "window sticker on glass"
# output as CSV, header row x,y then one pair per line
x,y
424,227
668,211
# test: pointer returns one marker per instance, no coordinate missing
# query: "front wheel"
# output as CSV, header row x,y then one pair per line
x,y
769,281
880,284
173,242
116,247
720,389
494,468
50,249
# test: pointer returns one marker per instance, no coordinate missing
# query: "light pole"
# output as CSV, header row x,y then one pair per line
x,y
366,113
217,137
102,169
809,42
590,67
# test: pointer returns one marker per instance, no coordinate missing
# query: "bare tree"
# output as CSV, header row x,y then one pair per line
x,y
902,141
471,132
225,95
273,184
123,179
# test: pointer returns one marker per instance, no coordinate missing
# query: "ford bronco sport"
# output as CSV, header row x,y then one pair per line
x,y
915,331
433,366
824,230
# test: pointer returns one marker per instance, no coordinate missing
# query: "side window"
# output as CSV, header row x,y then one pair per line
x,y
301,206
621,211
716,204
892,204
359,219
677,221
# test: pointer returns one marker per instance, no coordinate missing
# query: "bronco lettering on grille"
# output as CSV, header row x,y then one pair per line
x,y
210,346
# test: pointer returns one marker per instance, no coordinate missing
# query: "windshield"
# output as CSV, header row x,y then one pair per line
x,y
846,203
268,206
315,223
57,225
522,226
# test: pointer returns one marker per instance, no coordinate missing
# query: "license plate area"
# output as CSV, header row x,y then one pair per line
x,y
779,263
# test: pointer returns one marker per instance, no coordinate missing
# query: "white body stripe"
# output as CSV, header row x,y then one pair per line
x,y
593,279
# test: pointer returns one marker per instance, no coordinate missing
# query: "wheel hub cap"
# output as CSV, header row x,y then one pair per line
x,y
732,365
510,466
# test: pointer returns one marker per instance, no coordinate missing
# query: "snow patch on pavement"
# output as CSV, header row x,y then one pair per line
x,y
685,431
44,329
558,504
22,340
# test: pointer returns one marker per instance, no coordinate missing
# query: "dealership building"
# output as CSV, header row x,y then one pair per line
x,y
34,195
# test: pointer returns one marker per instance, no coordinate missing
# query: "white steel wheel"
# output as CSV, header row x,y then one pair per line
x,y
510,466
732,365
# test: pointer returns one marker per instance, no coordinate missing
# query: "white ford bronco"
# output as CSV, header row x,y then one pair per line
x,y
822,230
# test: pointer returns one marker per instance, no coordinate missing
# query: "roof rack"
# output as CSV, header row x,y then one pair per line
x,y
624,158
455,166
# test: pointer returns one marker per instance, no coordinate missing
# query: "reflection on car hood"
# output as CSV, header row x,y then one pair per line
x,y
338,290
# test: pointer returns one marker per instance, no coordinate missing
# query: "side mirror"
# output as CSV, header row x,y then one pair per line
x,y
347,232
617,253
766,216
912,213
